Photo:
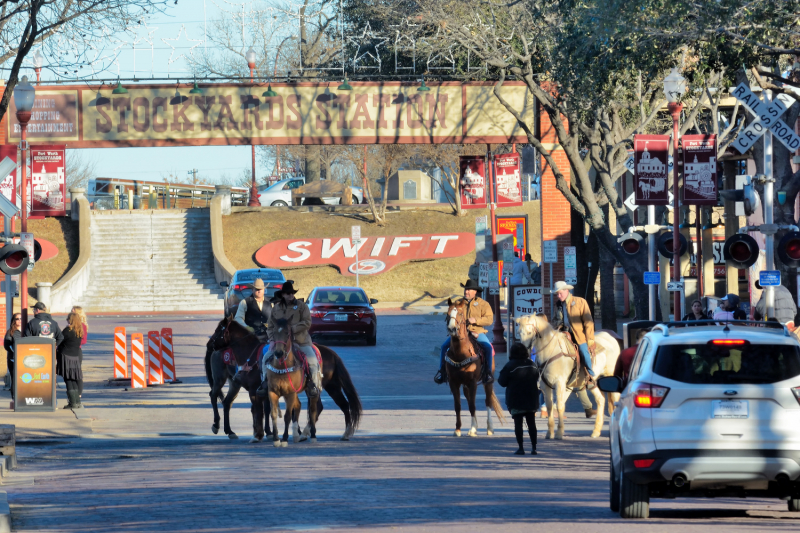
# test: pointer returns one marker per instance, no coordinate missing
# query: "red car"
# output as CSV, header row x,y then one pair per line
x,y
343,311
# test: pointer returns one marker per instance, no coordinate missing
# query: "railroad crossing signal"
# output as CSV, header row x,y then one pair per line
x,y
767,118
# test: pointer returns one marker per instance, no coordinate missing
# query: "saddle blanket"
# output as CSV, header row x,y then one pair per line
x,y
230,359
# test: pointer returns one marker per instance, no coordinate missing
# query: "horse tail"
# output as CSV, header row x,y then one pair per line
x,y
207,362
349,389
491,399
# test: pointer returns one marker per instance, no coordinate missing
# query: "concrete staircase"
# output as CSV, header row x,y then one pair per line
x,y
151,261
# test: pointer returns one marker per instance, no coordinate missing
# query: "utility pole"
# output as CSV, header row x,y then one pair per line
x,y
193,172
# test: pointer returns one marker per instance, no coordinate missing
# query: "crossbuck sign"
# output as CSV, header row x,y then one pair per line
x,y
767,118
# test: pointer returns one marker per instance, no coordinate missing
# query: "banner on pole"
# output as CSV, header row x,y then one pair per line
x,y
47,188
472,182
8,184
651,173
507,180
699,169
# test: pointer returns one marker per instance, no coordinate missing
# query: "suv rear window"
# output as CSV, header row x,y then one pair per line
x,y
705,364
340,296
265,275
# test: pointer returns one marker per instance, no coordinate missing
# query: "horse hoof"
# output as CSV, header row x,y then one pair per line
x,y
457,433
473,433
345,438
313,440
233,436
254,440
303,438
276,443
595,434
214,429
489,432
284,444
559,437
548,436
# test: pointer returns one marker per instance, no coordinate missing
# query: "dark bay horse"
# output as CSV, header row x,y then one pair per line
x,y
218,372
464,369
335,380
286,376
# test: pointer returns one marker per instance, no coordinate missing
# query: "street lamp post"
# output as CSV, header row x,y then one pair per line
x,y
498,341
674,87
38,61
24,95
250,56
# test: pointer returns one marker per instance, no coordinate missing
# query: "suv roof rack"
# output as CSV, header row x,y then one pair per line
x,y
666,326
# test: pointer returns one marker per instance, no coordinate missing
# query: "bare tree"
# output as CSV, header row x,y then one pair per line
x,y
80,169
68,31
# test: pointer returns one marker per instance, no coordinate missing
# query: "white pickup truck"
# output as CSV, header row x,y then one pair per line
x,y
280,194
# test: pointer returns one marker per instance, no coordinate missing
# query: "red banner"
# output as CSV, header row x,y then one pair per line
x,y
472,182
375,254
508,180
699,169
48,184
650,170
8,185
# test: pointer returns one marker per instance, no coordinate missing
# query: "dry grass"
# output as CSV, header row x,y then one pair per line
x,y
420,281
63,233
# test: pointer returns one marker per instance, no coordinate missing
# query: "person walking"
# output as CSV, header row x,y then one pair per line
x,y
729,310
785,306
520,377
534,270
520,275
697,312
572,314
12,334
69,358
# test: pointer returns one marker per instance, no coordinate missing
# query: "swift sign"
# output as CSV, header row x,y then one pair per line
x,y
378,254
767,118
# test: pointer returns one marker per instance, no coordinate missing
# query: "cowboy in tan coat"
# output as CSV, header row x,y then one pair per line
x,y
572,314
479,314
296,312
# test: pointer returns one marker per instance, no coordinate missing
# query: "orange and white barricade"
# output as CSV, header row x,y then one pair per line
x,y
154,358
138,366
120,354
168,357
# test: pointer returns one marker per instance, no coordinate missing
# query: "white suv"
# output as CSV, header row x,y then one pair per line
x,y
708,410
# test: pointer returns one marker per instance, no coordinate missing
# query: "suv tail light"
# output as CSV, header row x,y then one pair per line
x,y
649,396
241,287
643,463
317,314
361,314
729,342
796,392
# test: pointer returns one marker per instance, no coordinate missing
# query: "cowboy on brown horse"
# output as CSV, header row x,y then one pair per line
x,y
479,314
295,311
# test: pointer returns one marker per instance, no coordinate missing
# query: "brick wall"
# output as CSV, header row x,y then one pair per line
x,y
555,209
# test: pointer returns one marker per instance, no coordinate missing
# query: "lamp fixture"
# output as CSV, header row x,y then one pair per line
x,y
269,92
119,89
345,86
674,86
196,89
24,95
423,88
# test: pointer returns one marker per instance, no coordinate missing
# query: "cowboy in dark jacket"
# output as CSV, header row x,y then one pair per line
x,y
520,376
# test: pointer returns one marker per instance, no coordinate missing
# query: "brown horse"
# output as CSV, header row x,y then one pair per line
x,y
286,377
335,379
464,368
218,372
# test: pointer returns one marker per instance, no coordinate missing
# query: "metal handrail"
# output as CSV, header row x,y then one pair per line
x,y
665,326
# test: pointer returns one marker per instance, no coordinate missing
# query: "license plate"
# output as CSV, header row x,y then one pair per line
x,y
730,409
341,317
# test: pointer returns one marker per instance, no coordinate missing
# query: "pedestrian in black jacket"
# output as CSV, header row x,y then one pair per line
x,y
520,376
43,325
8,343
69,358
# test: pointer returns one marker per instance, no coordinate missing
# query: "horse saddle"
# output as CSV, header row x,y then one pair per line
x,y
476,348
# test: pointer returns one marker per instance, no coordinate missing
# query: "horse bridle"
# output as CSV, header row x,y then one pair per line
x,y
465,337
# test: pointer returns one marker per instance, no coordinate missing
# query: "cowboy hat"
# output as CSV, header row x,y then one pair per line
x,y
258,284
287,288
471,285
562,285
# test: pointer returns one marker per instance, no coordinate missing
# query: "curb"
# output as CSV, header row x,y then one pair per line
x,y
5,513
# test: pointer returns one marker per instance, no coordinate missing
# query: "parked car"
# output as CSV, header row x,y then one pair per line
x,y
280,193
711,410
239,287
343,312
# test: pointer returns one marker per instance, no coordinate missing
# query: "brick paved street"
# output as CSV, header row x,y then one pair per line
x,y
147,460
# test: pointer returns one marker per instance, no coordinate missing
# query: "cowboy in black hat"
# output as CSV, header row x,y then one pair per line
x,y
295,311
479,314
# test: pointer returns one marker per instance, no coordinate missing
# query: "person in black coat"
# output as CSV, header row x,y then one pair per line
x,y
13,333
43,325
520,376
69,358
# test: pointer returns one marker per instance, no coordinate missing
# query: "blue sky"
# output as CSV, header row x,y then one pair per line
x,y
160,48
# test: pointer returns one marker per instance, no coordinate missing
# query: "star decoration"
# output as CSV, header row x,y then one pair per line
x,y
175,55
367,55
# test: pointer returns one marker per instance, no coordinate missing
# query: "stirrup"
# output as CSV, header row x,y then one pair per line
x,y
262,389
488,378
312,389
439,377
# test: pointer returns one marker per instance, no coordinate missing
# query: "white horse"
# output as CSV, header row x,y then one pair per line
x,y
554,357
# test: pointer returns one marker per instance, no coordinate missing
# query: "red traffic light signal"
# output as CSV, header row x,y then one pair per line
x,y
13,259
789,249
741,250
666,248
631,243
